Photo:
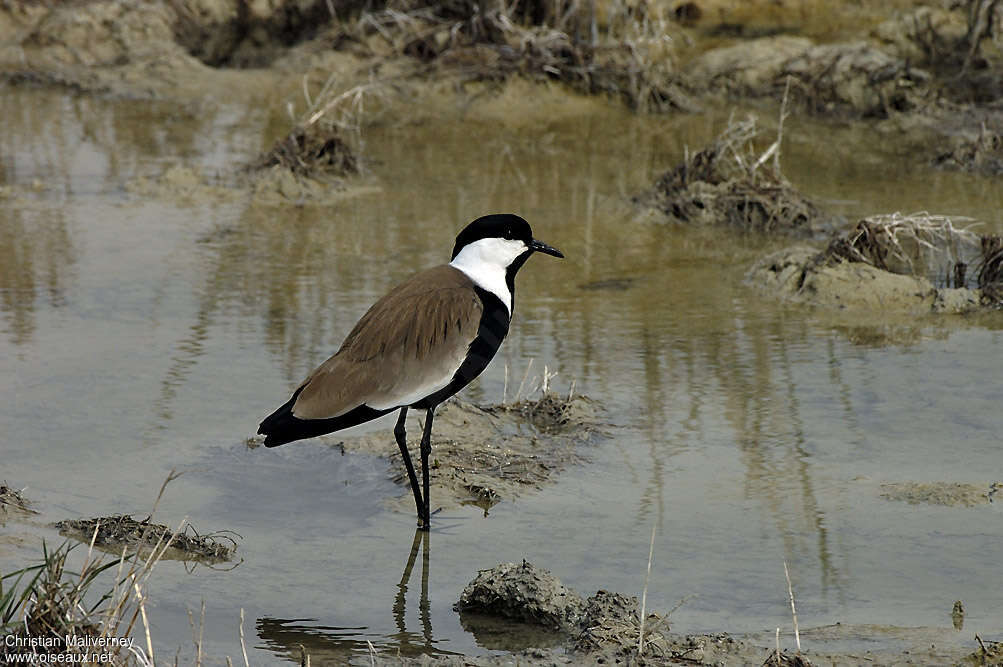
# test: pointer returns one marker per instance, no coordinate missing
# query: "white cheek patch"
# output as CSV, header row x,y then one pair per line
x,y
485,261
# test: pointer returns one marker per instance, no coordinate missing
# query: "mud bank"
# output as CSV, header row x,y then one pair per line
x,y
909,265
605,628
483,455
119,532
730,183
13,501
669,57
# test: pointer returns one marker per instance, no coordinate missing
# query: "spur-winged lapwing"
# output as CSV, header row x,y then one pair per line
x,y
418,345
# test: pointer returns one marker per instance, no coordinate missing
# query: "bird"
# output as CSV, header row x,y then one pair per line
x,y
421,343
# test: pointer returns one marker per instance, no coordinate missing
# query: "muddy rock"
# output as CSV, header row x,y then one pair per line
x,y
982,152
848,77
228,32
749,68
925,35
603,629
897,264
855,77
798,275
99,34
524,593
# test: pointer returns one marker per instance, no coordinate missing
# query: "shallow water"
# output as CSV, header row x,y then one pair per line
x,y
142,334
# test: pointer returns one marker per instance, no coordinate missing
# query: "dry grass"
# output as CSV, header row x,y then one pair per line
x,y
990,271
625,52
13,499
122,531
921,244
326,140
913,244
982,153
51,602
730,182
48,602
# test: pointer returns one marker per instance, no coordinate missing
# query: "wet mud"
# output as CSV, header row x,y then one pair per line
x,y
13,501
119,532
901,264
948,494
604,627
483,455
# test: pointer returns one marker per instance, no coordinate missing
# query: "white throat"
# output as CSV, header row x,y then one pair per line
x,y
486,261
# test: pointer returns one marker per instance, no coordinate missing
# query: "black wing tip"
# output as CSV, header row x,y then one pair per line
x,y
283,426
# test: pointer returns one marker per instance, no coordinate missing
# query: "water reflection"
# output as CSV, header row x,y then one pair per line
x,y
37,262
337,644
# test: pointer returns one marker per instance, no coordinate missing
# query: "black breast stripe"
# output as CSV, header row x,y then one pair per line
x,y
490,333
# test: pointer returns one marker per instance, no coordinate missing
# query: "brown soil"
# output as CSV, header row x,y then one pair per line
x,y
120,531
483,455
908,265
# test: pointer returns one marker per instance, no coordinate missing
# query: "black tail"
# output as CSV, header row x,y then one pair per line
x,y
283,426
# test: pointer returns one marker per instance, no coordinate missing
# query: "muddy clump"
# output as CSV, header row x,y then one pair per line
x,y
932,36
523,593
13,500
729,183
982,153
231,33
603,628
312,151
988,653
854,78
117,532
483,455
906,264
948,494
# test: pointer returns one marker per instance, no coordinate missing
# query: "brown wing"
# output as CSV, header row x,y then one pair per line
x,y
408,345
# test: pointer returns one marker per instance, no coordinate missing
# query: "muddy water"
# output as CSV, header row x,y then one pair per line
x,y
139,334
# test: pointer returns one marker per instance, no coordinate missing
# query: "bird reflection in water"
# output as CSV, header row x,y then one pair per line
x,y
297,638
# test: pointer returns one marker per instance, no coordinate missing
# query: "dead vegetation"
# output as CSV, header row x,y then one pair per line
x,y
895,264
625,52
311,151
90,615
928,246
13,499
121,532
49,603
730,182
316,147
982,153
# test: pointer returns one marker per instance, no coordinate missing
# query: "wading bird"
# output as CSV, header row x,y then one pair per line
x,y
417,346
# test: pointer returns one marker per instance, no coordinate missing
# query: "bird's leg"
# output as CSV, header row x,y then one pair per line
x,y
401,434
426,449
